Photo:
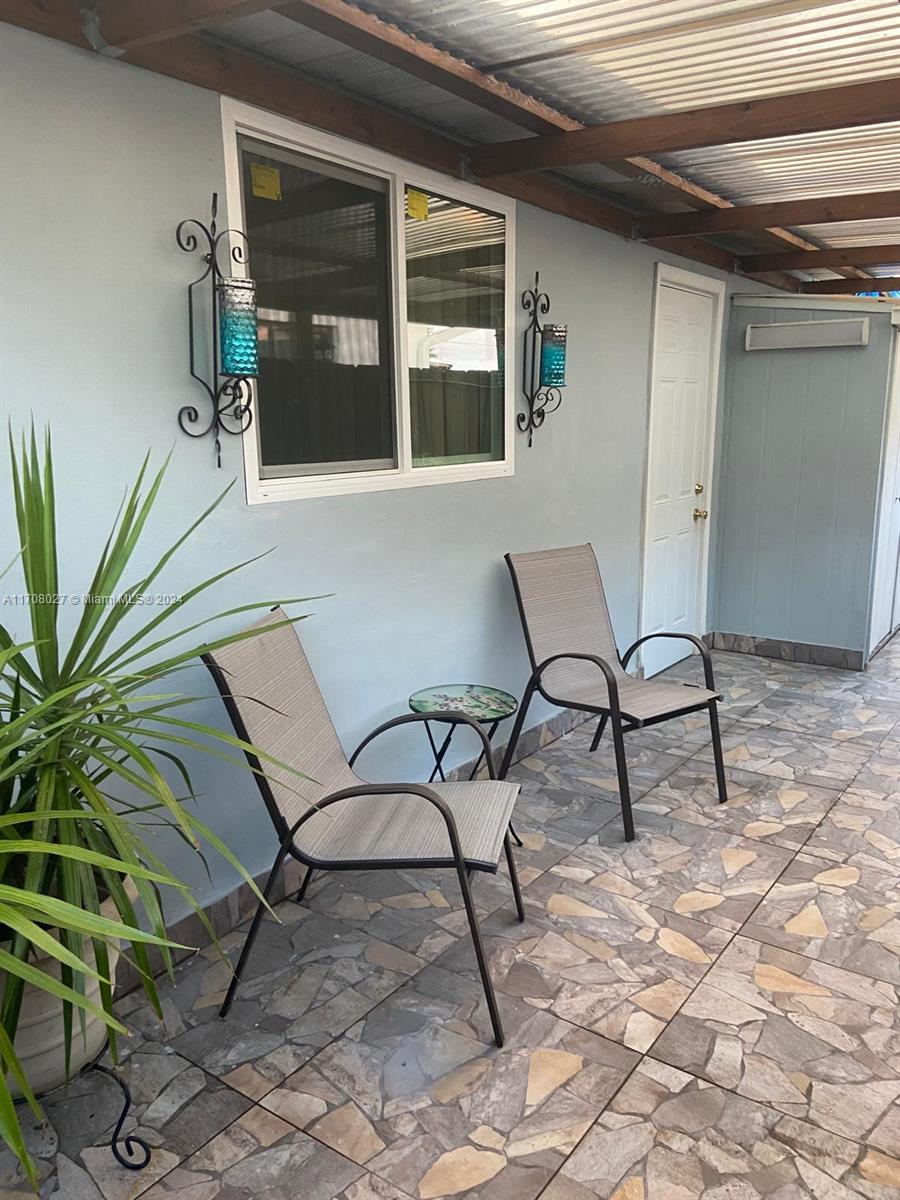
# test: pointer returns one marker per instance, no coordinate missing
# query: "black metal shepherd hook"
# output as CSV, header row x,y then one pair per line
x,y
230,397
136,1149
540,399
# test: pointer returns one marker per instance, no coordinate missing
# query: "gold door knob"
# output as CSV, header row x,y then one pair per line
x,y
700,514
698,489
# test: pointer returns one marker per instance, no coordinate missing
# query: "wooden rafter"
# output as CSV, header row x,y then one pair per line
x,y
749,120
365,32
855,206
843,287
804,260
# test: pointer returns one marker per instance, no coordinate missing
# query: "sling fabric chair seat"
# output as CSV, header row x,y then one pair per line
x,y
642,700
332,819
576,663
400,828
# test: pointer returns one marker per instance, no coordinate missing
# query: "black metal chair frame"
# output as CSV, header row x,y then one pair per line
x,y
612,713
288,847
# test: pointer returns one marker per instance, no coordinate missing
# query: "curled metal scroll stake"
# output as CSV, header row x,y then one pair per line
x,y
137,1153
540,400
231,398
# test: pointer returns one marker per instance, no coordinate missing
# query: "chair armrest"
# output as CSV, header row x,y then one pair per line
x,y
450,717
685,637
612,685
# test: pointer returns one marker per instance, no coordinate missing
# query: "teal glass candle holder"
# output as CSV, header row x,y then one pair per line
x,y
553,356
238,349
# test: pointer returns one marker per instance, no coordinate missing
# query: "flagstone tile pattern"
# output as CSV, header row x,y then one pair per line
x,y
711,1012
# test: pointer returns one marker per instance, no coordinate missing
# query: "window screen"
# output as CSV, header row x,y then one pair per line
x,y
321,260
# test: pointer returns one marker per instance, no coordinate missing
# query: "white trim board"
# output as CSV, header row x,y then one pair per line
x,y
823,303
716,289
239,118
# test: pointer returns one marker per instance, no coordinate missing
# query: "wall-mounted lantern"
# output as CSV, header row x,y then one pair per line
x,y
232,360
543,361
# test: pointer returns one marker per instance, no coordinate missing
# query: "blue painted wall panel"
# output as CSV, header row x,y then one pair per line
x,y
799,483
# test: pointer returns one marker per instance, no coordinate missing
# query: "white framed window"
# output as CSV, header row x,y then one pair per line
x,y
386,305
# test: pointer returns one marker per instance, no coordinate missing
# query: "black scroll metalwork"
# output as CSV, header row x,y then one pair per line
x,y
540,400
136,1153
230,396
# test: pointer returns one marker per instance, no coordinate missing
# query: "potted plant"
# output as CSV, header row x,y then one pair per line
x,y
91,734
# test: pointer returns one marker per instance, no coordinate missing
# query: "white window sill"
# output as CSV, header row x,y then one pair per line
x,y
269,491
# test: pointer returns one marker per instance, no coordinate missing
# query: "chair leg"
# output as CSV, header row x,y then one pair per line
x,y
483,968
252,932
599,734
514,877
516,837
307,880
717,751
516,731
624,789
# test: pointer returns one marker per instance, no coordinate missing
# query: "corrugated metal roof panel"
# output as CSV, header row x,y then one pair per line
x,y
816,164
656,55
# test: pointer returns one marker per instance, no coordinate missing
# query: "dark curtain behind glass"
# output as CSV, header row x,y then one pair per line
x,y
320,258
455,268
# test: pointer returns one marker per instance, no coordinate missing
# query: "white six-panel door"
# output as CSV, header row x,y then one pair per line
x,y
676,538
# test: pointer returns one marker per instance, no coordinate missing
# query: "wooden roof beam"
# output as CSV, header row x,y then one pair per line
x,y
804,260
844,287
364,31
818,210
869,103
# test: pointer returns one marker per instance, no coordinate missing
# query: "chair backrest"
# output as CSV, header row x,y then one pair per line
x,y
274,702
563,609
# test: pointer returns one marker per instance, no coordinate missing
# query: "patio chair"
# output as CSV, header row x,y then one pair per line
x,y
575,663
274,702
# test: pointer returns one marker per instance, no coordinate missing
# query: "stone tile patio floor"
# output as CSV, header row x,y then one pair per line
x,y
710,1011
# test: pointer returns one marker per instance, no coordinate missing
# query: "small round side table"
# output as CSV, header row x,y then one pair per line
x,y
487,705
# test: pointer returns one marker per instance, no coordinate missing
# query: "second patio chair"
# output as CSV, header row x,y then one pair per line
x,y
274,703
575,662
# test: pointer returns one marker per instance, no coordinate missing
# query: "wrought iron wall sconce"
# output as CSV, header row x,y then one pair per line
x,y
543,361
232,348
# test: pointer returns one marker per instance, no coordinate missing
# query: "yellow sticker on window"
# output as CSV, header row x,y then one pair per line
x,y
416,205
265,182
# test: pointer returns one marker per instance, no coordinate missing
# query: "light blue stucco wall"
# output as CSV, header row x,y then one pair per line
x,y
101,162
799,483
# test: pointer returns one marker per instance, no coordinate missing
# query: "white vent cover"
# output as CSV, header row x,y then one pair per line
x,y
808,335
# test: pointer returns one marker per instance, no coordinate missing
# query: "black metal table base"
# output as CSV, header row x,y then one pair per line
x,y
439,753
137,1153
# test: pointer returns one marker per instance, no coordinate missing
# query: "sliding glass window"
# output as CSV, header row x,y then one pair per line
x,y
320,244
455,289
384,309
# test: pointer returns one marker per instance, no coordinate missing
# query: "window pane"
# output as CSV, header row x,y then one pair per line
x,y
455,277
320,245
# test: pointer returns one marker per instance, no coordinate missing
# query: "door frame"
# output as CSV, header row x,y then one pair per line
x,y
888,478
716,289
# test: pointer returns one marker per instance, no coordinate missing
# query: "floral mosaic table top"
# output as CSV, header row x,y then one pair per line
x,y
477,701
